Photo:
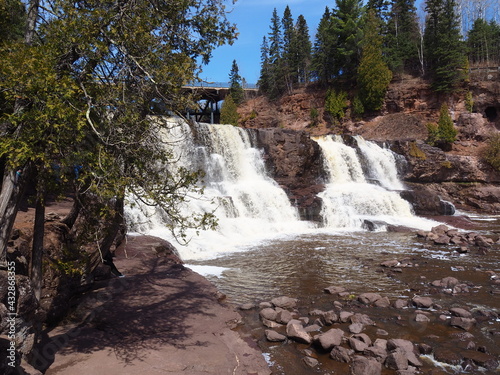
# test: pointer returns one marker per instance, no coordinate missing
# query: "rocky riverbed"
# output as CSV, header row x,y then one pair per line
x,y
445,327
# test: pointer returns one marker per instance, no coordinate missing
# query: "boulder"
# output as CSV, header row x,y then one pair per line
x,y
274,336
284,302
376,352
365,366
295,331
458,311
334,290
396,360
423,302
356,328
329,339
341,354
310,362
268,313
357,345
362,318
464,323
283,316
329,317
369,298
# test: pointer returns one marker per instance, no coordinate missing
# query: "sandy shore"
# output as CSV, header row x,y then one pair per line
x,y
161,318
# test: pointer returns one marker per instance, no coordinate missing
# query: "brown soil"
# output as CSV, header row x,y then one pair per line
x,y
160,318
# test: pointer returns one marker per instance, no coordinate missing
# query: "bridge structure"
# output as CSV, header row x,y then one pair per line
x,y
209,95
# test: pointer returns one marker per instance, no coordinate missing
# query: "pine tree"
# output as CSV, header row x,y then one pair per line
x,y
347,33
447,133
483,42
275,57
322,60
287,66
302,51
402,38
373,74
228,113
265,69
235,80
445,50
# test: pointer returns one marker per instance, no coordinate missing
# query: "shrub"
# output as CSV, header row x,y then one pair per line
x,y
336,103
442,134
228,112
314,114
357,106
492,152
469,101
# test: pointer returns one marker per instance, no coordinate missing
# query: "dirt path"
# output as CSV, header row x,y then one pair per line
x,y
161,318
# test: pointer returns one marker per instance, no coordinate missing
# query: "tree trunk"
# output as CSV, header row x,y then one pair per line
x,y
13,186
71,217
37,249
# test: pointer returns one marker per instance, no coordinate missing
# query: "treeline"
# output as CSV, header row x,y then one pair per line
x,y
355,45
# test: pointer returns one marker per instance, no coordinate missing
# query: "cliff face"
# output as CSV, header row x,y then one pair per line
x,y
460,176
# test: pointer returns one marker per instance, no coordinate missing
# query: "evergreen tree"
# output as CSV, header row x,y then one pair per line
x,y
265,68
483,42
347,33
322,60
228,113
373,74
446,57
288,58
275,57
302,51
12,20
446,130
235,80
402,38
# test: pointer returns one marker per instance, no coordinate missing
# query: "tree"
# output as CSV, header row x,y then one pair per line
x,y
442,134
276,83
347,33
235,80
483,42
265,68
12,20
288,54
373,74
402,38
86,81
302,51
322,60
229,113
446,57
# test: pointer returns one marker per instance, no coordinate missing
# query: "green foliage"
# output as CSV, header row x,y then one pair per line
x,y
469,101
442,134
336,103
235,80
373,74
402,38
322,59
228,112
357,106
12,20
314,116
81,94
492,151
416,152
432,133
446,57
483,42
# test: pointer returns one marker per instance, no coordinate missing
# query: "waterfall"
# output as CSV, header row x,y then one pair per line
x,y
249,205
361,186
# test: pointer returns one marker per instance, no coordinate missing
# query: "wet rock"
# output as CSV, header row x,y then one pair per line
x,y
464,323
268,313
295,331
264,305
424,349
396,360
380,354
482,359
283,316
365,366
274,336
341,354
312,328
369,298
400,304
344,316
311,362
334,290
458,311
247,306
422,318
270,323
284,302
383,302
382,332
329,317
363,337
363,319
408,349
329,339
447,356
390,263
357,345
423,302
356,328
446,282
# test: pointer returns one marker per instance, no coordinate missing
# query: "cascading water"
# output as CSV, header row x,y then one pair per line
x,y
361,186
249,205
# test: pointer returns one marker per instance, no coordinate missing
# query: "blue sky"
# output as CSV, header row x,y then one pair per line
x,y
253,18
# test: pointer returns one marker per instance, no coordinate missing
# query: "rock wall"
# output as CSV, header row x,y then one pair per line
x,y
294,161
